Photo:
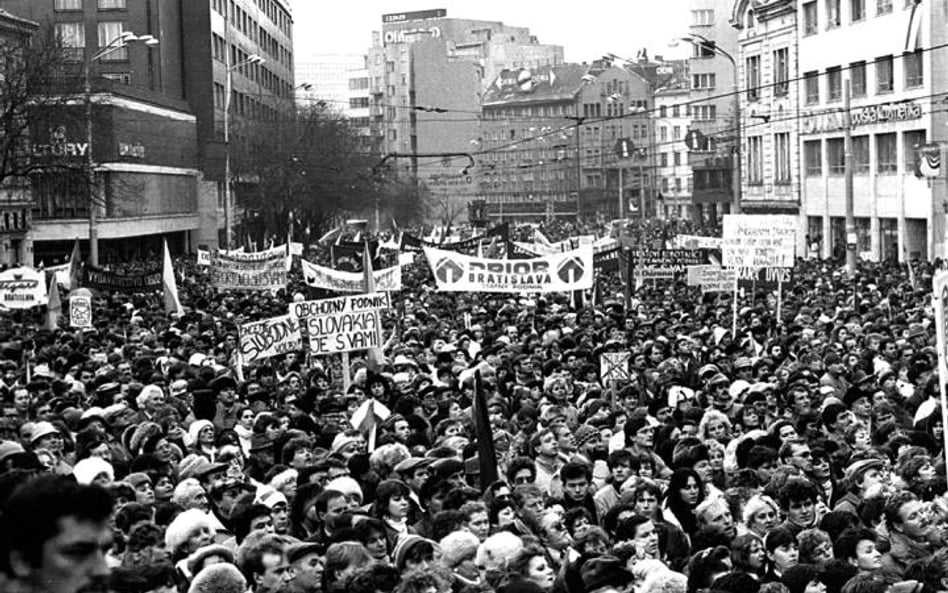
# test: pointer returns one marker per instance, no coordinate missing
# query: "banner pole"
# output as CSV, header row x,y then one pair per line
x,y
779,300
346,380
734,318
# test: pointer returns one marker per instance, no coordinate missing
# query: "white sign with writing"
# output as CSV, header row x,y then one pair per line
x,y
270,337
343,324
712,278
759,241
22,288
80,311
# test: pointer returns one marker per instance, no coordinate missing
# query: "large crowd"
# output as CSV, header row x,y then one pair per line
x,y
802,453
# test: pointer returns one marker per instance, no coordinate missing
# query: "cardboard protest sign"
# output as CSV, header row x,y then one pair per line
x,y
343,324
562,272
270,337
759,241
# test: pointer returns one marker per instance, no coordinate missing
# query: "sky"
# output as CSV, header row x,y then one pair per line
x,y
614,26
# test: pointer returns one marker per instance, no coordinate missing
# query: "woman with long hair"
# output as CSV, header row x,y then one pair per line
x,y
685,493
392,504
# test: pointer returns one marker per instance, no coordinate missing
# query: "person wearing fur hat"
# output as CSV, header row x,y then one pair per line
x,y
219,578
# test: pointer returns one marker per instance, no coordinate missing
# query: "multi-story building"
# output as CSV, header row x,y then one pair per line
x,y
549,140
325,77
16,241
767,56
157,113
672,118
427,74
875,48
713,71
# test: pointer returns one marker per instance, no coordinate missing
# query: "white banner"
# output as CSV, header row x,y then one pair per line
x,y
296,248
270,337
759,241
343,324
386,279
265,255
80,311
562,272
203,257
233,272
696,242
22,288
712,278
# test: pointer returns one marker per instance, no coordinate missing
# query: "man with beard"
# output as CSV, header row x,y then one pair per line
x,y
54,537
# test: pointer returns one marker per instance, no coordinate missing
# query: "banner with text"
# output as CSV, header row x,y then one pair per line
x,y
22,288
342,324
109,281
233,272
764,278
387,279
563,272
712,278
648,264
270,337
696,242
759,240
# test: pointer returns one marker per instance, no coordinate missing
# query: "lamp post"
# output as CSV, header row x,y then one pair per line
x,y
228,206
119,42
703,42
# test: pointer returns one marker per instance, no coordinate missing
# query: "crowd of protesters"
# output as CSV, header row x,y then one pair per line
x,y
799,454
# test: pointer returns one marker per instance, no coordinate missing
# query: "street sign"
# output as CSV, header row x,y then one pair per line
x,y
624,148
694,140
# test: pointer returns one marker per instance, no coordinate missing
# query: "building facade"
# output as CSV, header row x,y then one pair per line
x,y
325,77
769,101
427,75
672,119
550,139
713,71
895,88
16,238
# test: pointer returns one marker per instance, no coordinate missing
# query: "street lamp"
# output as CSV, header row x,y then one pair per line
x,y
702,42
119,42
228,206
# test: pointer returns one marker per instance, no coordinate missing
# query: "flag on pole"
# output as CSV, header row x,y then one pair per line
x,y
485,436
74,262
54,308
367,418
168,284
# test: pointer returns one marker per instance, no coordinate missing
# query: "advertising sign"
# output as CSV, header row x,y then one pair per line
x,y
759,241
562,272
22,288
270,337
343,324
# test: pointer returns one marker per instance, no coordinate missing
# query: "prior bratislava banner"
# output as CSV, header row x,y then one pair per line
x,y
562,272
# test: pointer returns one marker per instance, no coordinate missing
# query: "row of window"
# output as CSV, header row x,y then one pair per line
x,y
678,158
675,184
72,38
245,23
884,81
780,59
243,104
755,159
256,33
697,112
833,12
886,154
78,4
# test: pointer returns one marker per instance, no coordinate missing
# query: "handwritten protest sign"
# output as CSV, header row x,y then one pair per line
x,y
270,337
343,324
614,366
387,279
712,278
759,241
258,272
764,278
696,242
203,257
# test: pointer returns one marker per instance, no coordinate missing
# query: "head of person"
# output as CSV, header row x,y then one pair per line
x,y
188,532
761,514
343,559
782,549
413,552
857,546
262,560
905,515
55,534
815,546
798,498
576,477
716,515
531,564
803,578
392,500
748,554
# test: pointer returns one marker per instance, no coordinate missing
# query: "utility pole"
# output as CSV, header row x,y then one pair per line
x,y
851,239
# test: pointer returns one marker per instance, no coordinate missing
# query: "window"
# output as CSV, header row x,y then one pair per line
x,y
662,111
111,4
676,132
782,158
677,184
755,160
813,158
68,5
703,81
109,31
663,133
781,72
833,18
884,78
811,24
912,64
883,6
704,112
72,38
676,110
861,154
663,159
752,77
835,156
886,154
857,79
857,10
664,185
702,18
812,82
677,159
910,140
834,84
